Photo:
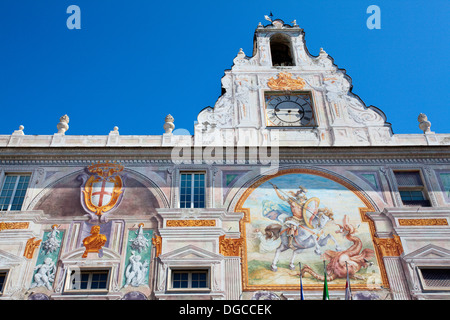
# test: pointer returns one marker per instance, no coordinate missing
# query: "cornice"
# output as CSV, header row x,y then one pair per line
x,y
131,156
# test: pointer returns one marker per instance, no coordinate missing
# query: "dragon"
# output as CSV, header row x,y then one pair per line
x,y
353,256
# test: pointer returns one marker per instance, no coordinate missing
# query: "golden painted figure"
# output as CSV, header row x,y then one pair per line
x,y
94,242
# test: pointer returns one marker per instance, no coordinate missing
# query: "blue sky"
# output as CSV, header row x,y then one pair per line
x,y
135,61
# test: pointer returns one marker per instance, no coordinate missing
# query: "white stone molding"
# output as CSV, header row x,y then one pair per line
x,y
396,277
190,257
73,261
430,256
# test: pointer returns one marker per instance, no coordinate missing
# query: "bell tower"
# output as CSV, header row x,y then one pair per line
x,y
283,92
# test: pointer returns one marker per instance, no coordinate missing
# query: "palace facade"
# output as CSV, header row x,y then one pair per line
x,y
289,174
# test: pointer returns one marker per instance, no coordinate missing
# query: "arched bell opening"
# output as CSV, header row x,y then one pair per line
x,y
281,50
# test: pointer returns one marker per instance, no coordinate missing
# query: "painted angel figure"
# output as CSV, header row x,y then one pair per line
x,y
136,271
45,274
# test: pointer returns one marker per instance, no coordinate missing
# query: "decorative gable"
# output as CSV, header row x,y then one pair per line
x,y
8,260
429,254
190,255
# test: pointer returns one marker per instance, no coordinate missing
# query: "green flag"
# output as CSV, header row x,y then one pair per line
x,y
325,285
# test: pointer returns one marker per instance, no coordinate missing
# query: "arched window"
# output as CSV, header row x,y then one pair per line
x,y
280,48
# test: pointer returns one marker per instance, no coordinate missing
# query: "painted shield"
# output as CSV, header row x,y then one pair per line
x,y
102,194
310,209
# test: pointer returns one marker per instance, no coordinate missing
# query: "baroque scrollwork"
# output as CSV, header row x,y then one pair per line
x,y
389,247
286,82
230,247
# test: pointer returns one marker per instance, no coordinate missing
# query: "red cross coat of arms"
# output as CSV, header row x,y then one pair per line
x,y
103,190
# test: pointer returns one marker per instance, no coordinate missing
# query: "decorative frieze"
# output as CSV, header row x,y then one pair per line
x,y
423,222
13,225
190,223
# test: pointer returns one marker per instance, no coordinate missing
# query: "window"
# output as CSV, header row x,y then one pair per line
x,y
89,280
3,275
190,279
13,192
435,279
192,190
411,188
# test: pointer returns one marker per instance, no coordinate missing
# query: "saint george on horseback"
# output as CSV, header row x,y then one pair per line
x,y
302,230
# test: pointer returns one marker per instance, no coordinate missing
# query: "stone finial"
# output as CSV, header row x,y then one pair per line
x,y
63,124
168,125
424,124
115,131
20,131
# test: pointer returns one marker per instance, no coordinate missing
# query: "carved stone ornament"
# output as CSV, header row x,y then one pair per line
x,y
230,247
191,223
168,125
286,82
389,247
63,124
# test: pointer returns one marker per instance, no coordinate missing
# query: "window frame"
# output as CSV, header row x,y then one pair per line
x,y
193,194
190,271
14,190
426,287
89,290
422,188
5,281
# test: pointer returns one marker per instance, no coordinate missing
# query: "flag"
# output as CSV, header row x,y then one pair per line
x,y
301,285
348,290
325,285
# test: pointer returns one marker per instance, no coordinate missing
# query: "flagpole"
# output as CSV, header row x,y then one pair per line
x,y
325,285
301,285
348,291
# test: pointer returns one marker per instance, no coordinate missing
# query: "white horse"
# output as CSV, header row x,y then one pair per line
x,y
304,237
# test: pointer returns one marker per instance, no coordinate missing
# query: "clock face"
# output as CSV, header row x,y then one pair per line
x,y
289,109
